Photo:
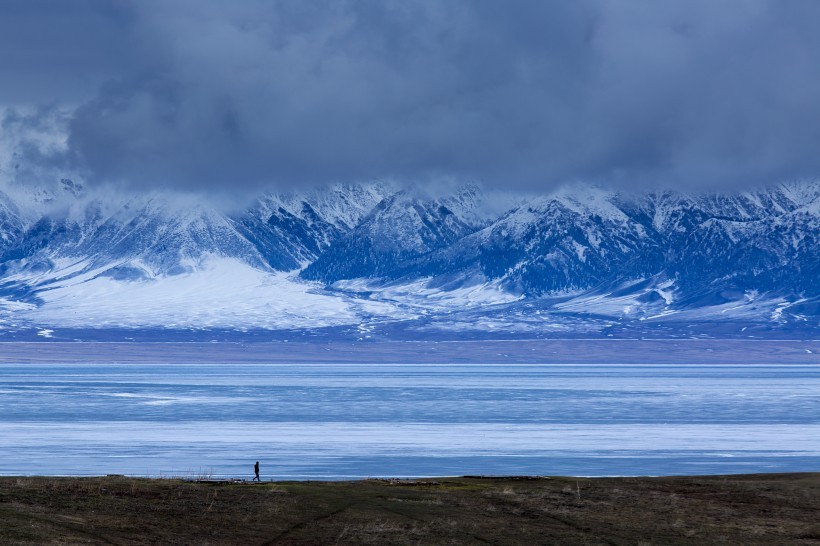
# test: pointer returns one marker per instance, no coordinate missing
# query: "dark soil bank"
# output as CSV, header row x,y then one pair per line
x,y
757,509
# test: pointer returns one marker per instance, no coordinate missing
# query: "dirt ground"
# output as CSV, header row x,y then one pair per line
x,y
754,509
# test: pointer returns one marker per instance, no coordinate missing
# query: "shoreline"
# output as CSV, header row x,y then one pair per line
x,y
768,508
399,479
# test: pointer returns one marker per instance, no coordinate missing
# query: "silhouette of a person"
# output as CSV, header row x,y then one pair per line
x,y
256,471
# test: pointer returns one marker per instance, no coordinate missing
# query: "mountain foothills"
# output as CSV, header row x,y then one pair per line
x,y
374,260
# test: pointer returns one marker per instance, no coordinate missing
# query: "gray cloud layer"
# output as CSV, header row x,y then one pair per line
x,y
214,94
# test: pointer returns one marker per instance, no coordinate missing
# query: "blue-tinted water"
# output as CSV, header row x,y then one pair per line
x,y
357,420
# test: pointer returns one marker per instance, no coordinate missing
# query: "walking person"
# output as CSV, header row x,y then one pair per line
x,y
256,471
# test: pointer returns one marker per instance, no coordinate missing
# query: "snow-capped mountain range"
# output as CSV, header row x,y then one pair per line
x,y
379,260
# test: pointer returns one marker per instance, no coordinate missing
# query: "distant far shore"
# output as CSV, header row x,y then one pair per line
x,y
730,509
528,351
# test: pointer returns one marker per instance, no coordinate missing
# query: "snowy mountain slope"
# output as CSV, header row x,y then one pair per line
x,y
765,239
342,205
291,230
79,258
11,225
554,243
399,228
371,255
166,234
587,252
564,243
220,293
162,237
21,208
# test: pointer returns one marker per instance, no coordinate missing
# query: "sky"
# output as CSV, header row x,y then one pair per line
x,y
225,96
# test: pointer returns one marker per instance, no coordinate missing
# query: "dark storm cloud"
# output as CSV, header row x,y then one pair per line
x,y
207,94
60,51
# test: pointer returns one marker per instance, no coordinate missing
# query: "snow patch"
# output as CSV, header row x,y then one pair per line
x,y
222,293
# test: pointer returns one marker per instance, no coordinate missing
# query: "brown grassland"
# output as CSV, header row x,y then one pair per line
x,y
751,509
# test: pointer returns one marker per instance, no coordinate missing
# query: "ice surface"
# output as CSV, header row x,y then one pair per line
x,y
355,416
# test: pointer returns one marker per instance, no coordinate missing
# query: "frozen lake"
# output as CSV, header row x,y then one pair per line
x,y
213,414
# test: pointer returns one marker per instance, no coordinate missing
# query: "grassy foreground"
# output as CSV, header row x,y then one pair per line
x,y
754,509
